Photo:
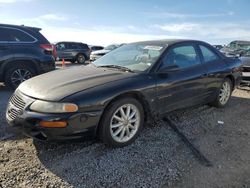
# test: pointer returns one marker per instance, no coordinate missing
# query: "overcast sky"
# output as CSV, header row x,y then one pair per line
x,y
116,21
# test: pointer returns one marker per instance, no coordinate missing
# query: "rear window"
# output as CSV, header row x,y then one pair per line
x,y
15,35
76,46
82,45
96,48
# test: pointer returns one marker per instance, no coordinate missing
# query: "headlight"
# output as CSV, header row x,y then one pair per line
x,y
53,107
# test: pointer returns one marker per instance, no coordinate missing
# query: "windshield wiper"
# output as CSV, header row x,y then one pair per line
x,y
117,67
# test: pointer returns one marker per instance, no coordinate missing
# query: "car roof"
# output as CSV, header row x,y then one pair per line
x,y
167,42
70,42
20,27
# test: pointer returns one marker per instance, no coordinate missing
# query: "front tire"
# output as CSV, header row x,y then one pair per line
x,y
17,74
122,122
224,94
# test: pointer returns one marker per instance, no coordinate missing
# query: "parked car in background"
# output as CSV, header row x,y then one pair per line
x,y
95,48
241,50
73,51
245,58
218,47
114,96
24,53
99,53
235,48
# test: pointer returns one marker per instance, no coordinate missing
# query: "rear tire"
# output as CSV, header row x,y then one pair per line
x,y
122,122
80,59
224,94
16,74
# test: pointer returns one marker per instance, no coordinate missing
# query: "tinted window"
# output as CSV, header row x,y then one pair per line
x,y
72,46
18,36
208,55
85,46
96,48
181,57
60,46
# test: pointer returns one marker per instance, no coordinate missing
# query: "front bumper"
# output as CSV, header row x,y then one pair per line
x,y
79,124
94,57
246,75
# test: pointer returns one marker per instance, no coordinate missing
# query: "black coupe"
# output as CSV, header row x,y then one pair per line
x,y
113,97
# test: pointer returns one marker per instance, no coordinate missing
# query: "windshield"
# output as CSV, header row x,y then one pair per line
x,y
111,47
136,57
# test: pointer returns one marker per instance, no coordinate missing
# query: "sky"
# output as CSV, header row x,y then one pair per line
x,y
103,22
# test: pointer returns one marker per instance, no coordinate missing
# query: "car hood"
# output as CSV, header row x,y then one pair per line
x,y
100,52
56,85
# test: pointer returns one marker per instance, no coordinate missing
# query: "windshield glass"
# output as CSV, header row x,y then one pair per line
x,y
136,57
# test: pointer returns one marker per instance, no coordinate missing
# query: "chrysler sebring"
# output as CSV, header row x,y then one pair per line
x,y
114,97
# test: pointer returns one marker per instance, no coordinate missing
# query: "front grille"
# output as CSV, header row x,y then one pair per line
x,y
15,107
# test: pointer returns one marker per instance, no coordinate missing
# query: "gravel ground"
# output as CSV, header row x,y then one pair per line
x,y
158,158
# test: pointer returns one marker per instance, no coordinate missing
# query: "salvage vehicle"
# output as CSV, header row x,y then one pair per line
x,y
99,53
24,53
241,50
113,97
73,52
235,48
245,58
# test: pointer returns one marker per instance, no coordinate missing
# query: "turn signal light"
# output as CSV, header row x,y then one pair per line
x,y
53,124
70,107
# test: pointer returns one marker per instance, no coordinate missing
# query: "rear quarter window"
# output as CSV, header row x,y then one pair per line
x,y
16,35
208,55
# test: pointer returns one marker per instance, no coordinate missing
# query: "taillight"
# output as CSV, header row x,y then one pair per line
x,y
49,49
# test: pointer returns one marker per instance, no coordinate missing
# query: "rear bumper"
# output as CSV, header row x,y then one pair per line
x,y
78,125
46,66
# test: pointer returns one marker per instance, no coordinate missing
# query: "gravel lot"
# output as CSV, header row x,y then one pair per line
x,y
158,158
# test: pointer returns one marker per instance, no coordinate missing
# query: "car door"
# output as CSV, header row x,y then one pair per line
x,y
5,47
60,48
215,67
180,78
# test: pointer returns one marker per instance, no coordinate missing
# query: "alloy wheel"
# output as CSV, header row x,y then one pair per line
x,y
81,59
20,75
125,123
225,93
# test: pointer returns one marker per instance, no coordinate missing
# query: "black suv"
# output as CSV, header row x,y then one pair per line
x,y
24,53
73,51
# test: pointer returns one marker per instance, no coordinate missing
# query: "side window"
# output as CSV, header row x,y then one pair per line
x,y
72,46
181,57
208,55
4,36
19,36
60,46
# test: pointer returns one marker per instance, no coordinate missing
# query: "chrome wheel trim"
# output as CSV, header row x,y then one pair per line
x,y
225,93
19,76
125,123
